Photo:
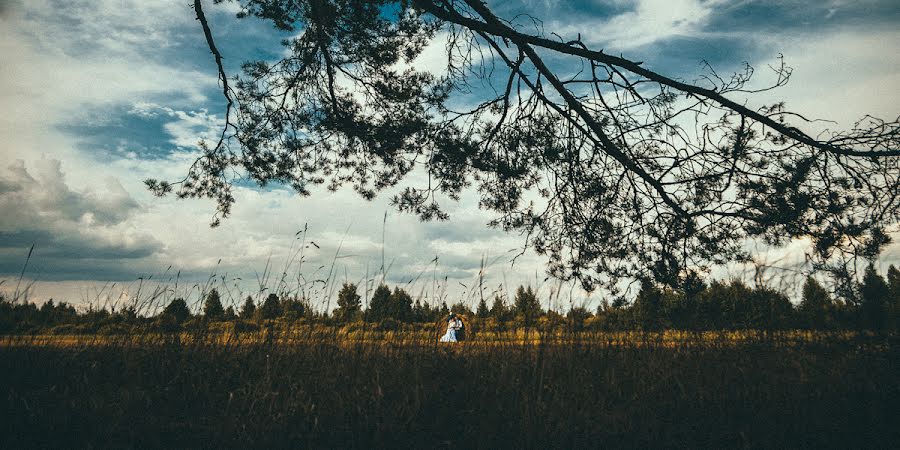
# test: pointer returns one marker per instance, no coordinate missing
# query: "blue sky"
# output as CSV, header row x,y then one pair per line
x,y
98,95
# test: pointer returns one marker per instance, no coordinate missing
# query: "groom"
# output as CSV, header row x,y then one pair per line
x,y
458,327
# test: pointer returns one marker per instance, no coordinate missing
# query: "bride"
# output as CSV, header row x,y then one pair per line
x,y
454,324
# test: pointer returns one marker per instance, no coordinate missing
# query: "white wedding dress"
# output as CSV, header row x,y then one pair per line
x,y
450,335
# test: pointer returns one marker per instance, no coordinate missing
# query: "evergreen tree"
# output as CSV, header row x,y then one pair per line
x,y
527,305
46,312
430,313
380,305
419,312
893,279
768,309
401,305
212,307
229,313
648,306
603,307
577,316
729,306
692,286
348,302
461,309
248,310
619,303
874,293
177,310
270,308
482,311
498,309
684,311
292,308
815,305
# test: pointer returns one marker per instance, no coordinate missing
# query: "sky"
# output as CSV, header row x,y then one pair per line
x,y
96,96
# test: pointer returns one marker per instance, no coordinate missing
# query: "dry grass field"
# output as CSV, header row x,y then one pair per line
x,y
329,387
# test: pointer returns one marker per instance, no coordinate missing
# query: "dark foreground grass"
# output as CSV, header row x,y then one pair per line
x,y
757,394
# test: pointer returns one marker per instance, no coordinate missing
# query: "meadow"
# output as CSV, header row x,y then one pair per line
x,y
317,386
718,366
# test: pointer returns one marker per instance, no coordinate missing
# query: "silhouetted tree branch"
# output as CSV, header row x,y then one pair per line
x,y
614,171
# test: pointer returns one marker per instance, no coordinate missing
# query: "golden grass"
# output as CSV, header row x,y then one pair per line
x,y
306,334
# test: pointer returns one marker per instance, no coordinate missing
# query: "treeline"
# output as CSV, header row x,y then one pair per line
x,y
874,305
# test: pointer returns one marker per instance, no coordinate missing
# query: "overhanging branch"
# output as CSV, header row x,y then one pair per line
x,y
226,90
498,29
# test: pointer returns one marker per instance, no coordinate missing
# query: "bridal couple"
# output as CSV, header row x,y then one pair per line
x,y
455,329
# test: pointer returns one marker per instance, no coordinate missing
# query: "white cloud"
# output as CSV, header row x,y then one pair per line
x,y
67,224
77,53
186,128
647,22
44,197
842,76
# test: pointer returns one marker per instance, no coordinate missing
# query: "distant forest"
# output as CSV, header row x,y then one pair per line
x,y
874,305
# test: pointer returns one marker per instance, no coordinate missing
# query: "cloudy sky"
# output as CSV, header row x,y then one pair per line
x,y
96,96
